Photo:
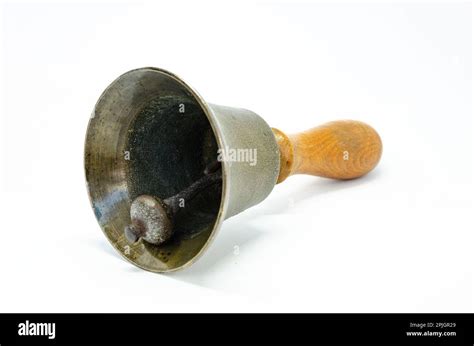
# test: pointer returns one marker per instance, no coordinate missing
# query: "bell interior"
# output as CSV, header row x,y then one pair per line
x,y
150,134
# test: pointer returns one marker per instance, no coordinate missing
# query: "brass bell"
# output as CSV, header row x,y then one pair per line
x,y
164,168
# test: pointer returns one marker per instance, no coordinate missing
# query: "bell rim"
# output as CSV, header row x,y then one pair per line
x,y
224,201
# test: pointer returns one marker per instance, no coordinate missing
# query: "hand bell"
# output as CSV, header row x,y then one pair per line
x,y
164,168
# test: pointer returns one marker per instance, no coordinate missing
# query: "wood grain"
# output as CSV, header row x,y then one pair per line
x,y
343,149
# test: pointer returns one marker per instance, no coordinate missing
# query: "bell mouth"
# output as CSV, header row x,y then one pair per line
x,y
151,134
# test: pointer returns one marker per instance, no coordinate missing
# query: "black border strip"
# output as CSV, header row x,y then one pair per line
x,y
239,329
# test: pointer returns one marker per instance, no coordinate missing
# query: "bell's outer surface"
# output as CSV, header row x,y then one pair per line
x,y
251,157
250,164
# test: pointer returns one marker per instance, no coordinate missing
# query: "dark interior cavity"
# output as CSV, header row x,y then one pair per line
x,y
170,144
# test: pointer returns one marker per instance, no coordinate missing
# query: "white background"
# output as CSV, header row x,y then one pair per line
x,y
398,240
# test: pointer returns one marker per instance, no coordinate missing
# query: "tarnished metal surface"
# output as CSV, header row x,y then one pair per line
x,y
150,221
249,181
151,134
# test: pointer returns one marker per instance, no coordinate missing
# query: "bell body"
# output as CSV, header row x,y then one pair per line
x,y
152,134
250,154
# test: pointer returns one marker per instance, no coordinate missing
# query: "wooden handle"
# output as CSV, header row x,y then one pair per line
x,y
344,149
